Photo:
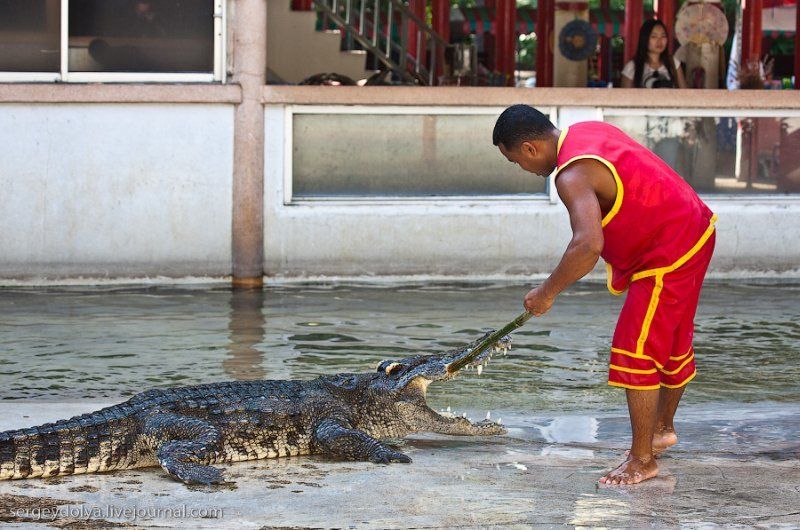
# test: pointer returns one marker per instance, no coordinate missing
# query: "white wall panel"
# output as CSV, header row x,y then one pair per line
x,y
117,189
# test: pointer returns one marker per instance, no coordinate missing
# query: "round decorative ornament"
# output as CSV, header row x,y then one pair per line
x,y
577,40
701,23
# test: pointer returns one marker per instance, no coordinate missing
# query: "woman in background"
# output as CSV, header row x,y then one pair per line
x,y
653,66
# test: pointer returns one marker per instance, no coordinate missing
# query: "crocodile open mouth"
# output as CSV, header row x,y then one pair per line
x,y
479,361
417,372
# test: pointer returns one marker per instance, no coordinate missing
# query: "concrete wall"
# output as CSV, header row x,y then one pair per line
x,y
480,236
118,188
115,189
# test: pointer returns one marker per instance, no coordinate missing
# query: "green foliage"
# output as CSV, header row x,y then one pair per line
x,y
526,59
782,46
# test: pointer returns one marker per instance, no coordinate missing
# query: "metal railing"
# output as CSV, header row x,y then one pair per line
x,y
382,27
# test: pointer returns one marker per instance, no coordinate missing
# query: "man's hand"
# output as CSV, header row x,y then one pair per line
x,y
538,302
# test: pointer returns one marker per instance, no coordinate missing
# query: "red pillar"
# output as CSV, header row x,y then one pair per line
x,y
604,59
797,49
666,14
441,18
634,11
418,8
302,5
440,11
751,31
506,34
544,33
552,45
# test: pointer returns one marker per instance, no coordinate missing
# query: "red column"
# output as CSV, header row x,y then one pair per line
x,y
751,31
604,59
441,18
666,14
634,11
544,32
440,11
551,40
418,8
506,34
797,49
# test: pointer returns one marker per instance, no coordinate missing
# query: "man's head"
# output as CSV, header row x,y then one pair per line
x,y
527,137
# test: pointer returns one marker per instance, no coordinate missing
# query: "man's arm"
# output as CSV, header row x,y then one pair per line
x,y
576,187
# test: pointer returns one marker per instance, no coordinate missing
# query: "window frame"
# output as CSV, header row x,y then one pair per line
x,y
218,75
550,195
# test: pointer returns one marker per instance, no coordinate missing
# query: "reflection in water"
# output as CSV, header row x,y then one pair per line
x,y
594,510
626,503
247,330
567,452
566,429
570,429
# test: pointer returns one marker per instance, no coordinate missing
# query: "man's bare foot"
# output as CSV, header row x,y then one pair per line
x,y
632,471
663,439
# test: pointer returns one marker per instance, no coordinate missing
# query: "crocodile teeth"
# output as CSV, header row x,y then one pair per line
x,y
448,408
488,414
499,421
463,414
480,369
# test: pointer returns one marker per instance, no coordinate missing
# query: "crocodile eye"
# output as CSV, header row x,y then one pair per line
x,y
390,368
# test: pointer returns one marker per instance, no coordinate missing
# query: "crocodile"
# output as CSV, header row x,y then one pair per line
x,y
186,430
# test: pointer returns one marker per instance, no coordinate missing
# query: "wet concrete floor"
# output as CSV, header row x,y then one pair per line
x,y
543,472
737,463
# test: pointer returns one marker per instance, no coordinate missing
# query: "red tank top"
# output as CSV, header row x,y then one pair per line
x,y
657,221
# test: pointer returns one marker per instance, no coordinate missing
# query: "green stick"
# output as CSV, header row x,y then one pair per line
x,y
488,341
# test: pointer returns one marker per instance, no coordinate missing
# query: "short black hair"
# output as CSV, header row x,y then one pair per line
x,y
519,123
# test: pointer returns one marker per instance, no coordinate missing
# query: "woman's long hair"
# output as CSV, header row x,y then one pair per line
x,y
641,53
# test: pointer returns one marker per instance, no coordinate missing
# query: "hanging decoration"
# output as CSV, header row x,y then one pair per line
x,y
577,40
701,23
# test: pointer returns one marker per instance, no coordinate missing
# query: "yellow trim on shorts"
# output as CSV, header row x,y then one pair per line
x,y
635,356
634,387
681,356
651,311
673,372
631,370
683,259
685,382
609,276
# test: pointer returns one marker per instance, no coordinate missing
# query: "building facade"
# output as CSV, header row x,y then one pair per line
x,y
161,151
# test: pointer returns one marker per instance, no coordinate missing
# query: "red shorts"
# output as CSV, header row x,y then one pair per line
x,y
652,345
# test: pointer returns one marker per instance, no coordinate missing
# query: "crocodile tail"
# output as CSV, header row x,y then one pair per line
x,y
83,444
28,453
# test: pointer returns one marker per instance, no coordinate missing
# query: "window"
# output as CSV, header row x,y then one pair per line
x,y
111,40
30,35
723,154
402,153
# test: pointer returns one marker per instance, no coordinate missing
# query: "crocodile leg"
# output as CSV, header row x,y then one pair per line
x,y
336,438
184,446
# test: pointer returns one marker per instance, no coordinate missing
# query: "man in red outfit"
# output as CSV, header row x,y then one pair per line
x,y
656,236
